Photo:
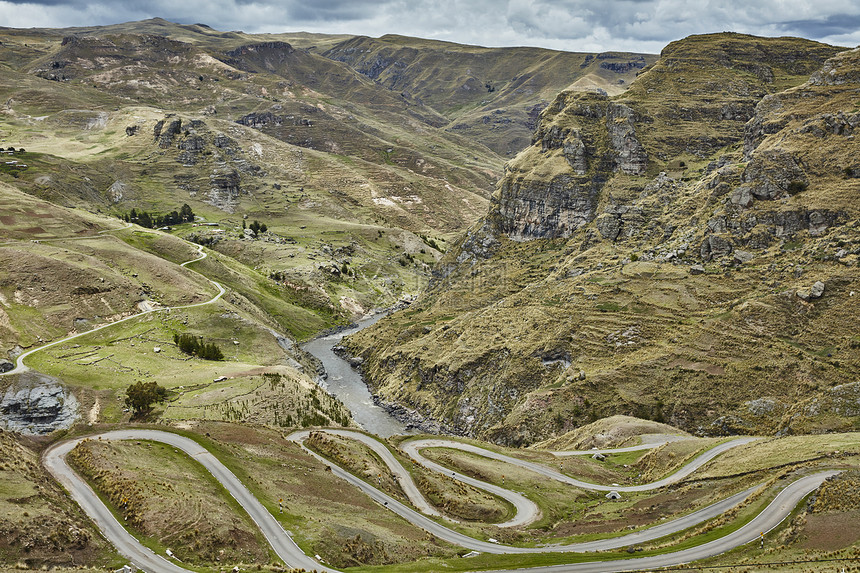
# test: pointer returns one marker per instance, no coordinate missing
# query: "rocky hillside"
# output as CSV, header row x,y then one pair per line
x,y
361,179
686,251
491,95
357,186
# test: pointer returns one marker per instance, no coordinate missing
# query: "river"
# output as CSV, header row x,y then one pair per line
x,y
346,384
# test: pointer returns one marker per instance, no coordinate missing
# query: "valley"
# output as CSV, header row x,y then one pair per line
x,y
419,306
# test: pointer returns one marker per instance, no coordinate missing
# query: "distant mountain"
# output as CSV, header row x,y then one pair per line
x,y
493,95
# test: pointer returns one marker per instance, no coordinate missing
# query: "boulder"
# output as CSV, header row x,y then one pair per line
x,y
817,290
6,366
609,226
714,246
741,257
697,270
812,293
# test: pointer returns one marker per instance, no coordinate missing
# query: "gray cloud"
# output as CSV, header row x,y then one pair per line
x,y
575,25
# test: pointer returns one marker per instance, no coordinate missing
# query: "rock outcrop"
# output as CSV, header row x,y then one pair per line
x,y
37,404
224,189
165,135
630,156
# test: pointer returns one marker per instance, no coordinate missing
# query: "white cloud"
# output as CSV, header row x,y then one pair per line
x,y
576,25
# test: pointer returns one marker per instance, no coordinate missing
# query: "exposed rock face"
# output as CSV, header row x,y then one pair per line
x,y
165,135
270,55
258,120
557,208
838,71
717,251
532,205
575,153
117,190
630,156
773,174
224,189
571,143
602,141
191,147
37,404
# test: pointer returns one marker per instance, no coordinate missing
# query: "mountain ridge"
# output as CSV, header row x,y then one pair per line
x,y
619,272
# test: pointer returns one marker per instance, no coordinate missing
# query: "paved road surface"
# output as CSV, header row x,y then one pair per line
x,y
55,461
413,448
527,511
651,533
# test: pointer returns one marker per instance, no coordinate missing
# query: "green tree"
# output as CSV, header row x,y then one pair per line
x,y
186,214
144,220
141,396
194,346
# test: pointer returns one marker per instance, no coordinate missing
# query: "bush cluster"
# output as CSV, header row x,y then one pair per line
x,y
152,220
194,346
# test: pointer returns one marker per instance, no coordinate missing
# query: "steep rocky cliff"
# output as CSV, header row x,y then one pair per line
x,y
686,251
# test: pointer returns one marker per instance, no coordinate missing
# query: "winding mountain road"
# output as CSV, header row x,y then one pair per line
x,y
532,511
414,447
55,462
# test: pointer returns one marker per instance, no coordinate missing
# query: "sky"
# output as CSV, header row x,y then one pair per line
x,y
571,25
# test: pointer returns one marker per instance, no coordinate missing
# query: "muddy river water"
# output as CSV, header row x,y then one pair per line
x,y
346,384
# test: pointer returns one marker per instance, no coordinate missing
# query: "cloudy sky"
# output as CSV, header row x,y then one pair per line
x,y
574,25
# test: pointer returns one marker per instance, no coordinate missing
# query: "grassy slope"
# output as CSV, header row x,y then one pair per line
x,y
143,482
40,525
324,514
350,158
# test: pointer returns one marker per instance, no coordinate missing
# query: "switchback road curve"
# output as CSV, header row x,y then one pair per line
x,y
54,461
414,447
283,545
413,493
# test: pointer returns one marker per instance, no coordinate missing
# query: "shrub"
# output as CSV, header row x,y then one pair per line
x,y
141,396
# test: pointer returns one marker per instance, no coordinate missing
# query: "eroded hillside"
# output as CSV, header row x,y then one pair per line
x,y
686,251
